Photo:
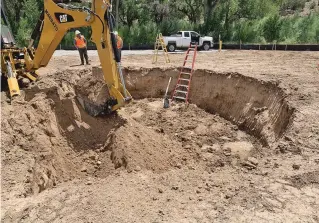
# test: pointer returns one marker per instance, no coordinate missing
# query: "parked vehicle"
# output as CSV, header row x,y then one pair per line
x,y
182,39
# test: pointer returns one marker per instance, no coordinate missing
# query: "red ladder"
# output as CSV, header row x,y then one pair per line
x,y
183,85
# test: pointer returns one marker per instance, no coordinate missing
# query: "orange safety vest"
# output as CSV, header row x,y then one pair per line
x,y
119,42
79,42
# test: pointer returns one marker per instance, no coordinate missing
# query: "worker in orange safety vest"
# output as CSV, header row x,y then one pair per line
x,y
80,44
119,43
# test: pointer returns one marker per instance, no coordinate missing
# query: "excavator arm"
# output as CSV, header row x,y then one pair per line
x,y
56,19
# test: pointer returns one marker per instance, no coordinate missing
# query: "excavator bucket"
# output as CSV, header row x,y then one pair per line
x,y
91,108
94,95
94,109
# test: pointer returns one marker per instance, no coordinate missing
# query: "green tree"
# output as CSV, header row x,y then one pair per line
x,y
209,6
129,12
235,20
271,28
13,11
29,18
159,10
191,9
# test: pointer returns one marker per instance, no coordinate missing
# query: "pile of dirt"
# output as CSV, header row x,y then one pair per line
x,y
47,141
33,156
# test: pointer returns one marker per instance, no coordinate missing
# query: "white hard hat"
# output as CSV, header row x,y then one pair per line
x,y
77,32
115,33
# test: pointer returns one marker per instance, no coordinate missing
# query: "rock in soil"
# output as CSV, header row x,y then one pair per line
x,y
296,166
253,160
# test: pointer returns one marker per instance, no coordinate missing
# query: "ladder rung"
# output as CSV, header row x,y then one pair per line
x,y
190,57
184,92
179,97
182,85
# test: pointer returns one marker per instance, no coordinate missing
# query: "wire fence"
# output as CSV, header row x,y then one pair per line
x,y
227,46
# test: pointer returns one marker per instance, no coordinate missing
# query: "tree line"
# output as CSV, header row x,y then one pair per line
x,y
248,21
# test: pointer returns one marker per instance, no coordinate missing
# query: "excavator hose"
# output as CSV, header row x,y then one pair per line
x,y
108,18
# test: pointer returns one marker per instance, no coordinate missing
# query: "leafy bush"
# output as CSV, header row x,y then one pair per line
x,y
271,28
139,34
300,29
245,31
24,33
169,27
309,28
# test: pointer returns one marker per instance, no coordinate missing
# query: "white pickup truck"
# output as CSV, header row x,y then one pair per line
x,y
182,39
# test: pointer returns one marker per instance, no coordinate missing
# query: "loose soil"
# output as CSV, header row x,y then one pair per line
x,y
244,150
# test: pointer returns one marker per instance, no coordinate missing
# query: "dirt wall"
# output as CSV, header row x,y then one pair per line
x,y
256,106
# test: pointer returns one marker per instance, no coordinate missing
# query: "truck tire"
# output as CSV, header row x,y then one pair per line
x,y
206,46
171,47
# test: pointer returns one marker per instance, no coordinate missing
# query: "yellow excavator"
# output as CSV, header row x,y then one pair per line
x,y
56,19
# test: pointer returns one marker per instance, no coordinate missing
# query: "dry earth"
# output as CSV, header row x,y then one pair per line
x,y
244,150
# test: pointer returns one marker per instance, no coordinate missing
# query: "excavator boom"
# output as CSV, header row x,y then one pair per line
x,y
56,20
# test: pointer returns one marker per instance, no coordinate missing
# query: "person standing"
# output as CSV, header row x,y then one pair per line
x,y
80,44
119,43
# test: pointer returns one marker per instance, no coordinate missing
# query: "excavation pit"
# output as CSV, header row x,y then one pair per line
x,y
256,106
238,151
67,143
229,123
